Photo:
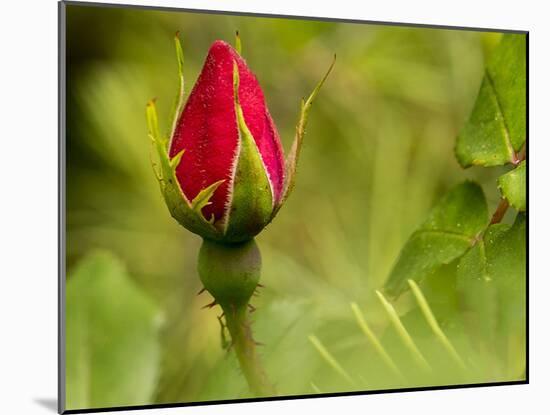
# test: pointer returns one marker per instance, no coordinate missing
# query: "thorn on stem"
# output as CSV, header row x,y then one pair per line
x,y
258,343
260,285
201,291
251,308
209,305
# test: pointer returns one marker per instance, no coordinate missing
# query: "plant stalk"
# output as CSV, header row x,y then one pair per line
x,y
238,324
231,274
500,211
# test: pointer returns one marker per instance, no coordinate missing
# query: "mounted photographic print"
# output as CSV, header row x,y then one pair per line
x,y
264,207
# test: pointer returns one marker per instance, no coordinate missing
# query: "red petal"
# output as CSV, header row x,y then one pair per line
x,y
261,125
207,129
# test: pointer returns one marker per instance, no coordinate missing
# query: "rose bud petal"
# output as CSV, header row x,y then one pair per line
x,y
222,172
216,149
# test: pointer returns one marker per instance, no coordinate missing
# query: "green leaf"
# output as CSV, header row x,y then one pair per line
x,y
451,228
506,265
496,129
434,325
514,188
476,287
112,345
491,278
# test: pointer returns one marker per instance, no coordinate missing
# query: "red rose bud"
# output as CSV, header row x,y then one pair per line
x,y
222,172
216,143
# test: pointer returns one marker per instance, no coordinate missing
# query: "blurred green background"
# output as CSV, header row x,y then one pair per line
x,y
378,153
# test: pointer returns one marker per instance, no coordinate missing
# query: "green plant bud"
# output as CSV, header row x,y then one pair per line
x,y
230,272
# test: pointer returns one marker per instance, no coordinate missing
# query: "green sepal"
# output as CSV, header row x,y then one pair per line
x,y
187,213
251,200
203,199
178,101
294,154
513,187
152,120
238,43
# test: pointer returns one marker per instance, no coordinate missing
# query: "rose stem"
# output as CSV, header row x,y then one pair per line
x,y
239,327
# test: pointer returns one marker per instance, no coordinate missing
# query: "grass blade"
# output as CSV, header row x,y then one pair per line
x,y
374,341
434,325
325,354
403,333
315,388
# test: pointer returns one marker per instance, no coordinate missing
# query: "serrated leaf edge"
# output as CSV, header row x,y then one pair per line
x,y
521,165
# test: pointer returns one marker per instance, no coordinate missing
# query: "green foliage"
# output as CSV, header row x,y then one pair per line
x,y
281,324
513,186
378,155
112,341
491,280
496,128
451,228
506,265
476,286
479,271
493,135
417,347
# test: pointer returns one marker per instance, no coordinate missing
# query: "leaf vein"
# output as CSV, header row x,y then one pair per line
x,y
446,233
506,131
483,254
